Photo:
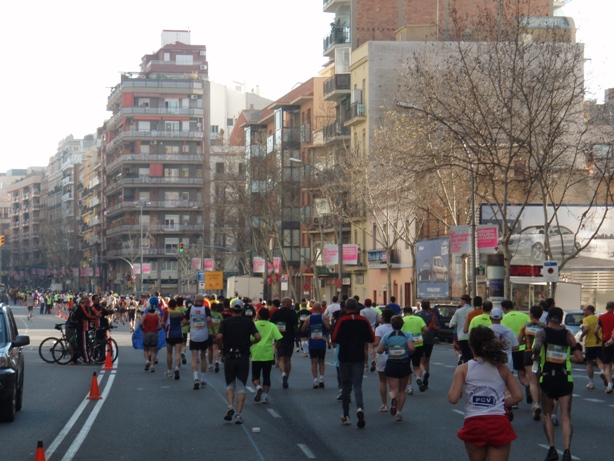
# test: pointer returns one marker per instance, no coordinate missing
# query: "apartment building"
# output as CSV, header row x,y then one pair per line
x,y
26,261
6,179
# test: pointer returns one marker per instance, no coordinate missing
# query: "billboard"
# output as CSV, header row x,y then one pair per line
x,y
433,268
571,229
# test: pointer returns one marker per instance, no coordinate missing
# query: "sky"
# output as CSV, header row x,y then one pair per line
x,y
61,59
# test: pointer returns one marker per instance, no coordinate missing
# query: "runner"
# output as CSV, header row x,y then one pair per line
x,y
432,322
263,355
593,349
316,327
286,320
415,326
198,317
374,318
527,337
606,323
235,335
400,345
213,352
458,320
151,323
173,319
381,359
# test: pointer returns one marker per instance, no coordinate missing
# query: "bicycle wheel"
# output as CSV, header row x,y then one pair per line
x,y
61,352
45,350
114,350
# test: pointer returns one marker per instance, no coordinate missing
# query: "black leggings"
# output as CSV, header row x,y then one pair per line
x,y
265,367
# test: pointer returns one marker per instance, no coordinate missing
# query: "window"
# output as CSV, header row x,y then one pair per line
x,y
170,222
219,240
241,168
220,194
602,151
171,126
144,149
169,150
142,102
219,168
171,245
214,131
184,59
171,196
185,220
185,125
172,103
185,172
146,220
144,196
143,126
230,122
185,196
143,172
168,265
171,172
167,56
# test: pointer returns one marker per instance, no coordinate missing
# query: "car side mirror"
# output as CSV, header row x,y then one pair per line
x,y
21,340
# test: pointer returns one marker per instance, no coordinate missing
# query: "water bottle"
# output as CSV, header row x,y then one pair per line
x,y
535,367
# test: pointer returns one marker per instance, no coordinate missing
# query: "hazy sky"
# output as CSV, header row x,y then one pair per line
x,y
61,58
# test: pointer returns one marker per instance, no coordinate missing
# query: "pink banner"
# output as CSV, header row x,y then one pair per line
x,y
488,237
276,264
460,240
258,265
196,264
146,268
97,271
209,264
350,254
136,269
40,271
330,254
75,272
87,272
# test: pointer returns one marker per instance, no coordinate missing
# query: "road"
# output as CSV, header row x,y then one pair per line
x,y
145,416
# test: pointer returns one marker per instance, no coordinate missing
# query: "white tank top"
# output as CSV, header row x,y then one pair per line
x,y
484,390
199,330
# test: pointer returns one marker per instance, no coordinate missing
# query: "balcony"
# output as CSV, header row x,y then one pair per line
x,y
290,138
337,36
358,113
331,6
93,182
180,85
67,180
66,197
146,180
336,87
131,111
154,158
134,135
129,204
155,228
336,132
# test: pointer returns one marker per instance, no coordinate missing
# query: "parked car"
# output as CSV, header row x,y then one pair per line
x,y
439,270
531,242
11,365
446,312
573,321
425,273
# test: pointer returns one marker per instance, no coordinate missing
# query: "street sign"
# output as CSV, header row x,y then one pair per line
x,y
307,287
284,282
214,280
550,271
201,277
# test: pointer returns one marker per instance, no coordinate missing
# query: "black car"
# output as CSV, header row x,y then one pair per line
x,y
446,311
11,365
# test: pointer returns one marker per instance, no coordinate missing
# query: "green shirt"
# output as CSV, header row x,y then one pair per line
x,y
514,320
482,319
413,324
262,351
185,329
216,319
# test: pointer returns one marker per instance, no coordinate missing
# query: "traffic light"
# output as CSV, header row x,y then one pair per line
x,y
1,240
181,247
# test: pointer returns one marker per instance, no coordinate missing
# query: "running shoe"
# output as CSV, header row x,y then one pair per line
x,y
305,354
238,418
345,420
147,365
297,349
196,384
567,456
168,373
321,383
609,389
420,384
284,378
217,367
152,369
372,369
360,414
552,455
536,411
156,362
555,421
425,379
409,390
258,395
316,385
398,417
605,380
210,369
383,408
176,374
229,413
183,360
340,395
265,400
393,407
590,386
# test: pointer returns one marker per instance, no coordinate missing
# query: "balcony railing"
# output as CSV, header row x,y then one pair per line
x,y
146,180
156,158
129,204
154,134
305,133
144,82
337,36
338,82
155,228
336,130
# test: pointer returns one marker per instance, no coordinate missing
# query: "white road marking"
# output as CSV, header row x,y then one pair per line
x,y
305,449
273,413
72,450
251,389
595,400
459,412
559,451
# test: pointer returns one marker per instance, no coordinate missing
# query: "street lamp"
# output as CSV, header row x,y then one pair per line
x,y
407,106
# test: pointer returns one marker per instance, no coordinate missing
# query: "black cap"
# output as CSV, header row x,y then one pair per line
x,y
555,314
466,298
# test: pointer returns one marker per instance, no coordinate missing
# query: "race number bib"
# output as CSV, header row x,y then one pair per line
x,y
556,353
396,351
215,320
281,326
418,339
198,323
316,332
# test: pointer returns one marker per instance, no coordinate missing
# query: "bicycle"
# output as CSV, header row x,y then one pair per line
x,y
64,350
98,346
48,345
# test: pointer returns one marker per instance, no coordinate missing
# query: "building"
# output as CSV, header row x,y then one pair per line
x,y
6,179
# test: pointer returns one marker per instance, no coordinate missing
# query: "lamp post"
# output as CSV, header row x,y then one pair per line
x,y
141,204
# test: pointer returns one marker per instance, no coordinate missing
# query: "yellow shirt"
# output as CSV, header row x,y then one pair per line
x,y
590,340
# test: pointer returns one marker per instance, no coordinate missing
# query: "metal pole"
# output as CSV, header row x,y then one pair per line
x,y
474,288
141,222
340,250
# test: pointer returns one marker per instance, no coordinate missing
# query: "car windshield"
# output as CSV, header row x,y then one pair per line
x,y
447,311
574,320
3,330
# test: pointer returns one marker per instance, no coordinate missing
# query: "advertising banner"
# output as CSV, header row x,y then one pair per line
x,y
146,268
136,269
330,254
87,272
209,264
258,265
460,240
196,263
488,238
433,267
276,264
350,255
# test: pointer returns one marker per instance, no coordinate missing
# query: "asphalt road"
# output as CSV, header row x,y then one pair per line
x,y
145,416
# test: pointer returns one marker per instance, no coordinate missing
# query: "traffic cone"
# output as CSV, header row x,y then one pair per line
x,y
40,452
108,361
94,391
65,316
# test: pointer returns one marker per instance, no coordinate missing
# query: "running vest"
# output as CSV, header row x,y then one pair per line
x,y
173,323
317,332
555,355
396,343
199,330
484,390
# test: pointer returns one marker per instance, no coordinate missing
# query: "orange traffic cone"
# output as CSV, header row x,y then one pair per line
x,y
40,452
94,391
65,316
108,361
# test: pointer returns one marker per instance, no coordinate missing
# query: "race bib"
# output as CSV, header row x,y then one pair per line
x,y
556,353
304,317
316,332
282,327
198,323
418,338
249,313
396,351
215,320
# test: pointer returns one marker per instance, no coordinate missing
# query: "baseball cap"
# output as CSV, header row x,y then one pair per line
x,y
199,299
153,301
555,314
466,298
496,313
368,301
237,305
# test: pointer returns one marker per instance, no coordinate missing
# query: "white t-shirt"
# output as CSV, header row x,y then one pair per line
x,y
371,315
331,309
459,319
507,335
